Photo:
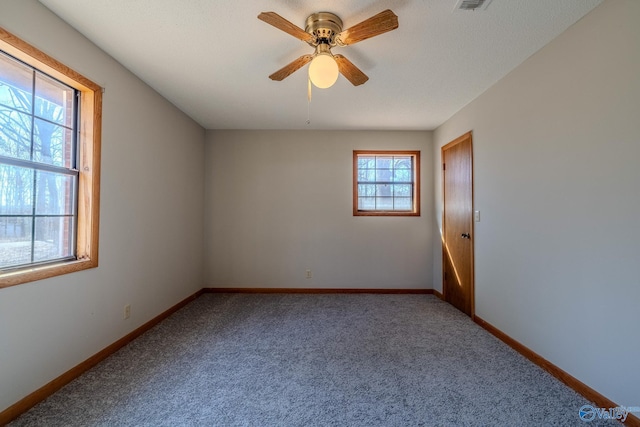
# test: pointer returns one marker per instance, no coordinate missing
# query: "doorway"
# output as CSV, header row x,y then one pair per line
x,y
457,224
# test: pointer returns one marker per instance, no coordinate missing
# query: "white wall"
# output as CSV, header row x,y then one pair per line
x,y
150,226
557,176
280,202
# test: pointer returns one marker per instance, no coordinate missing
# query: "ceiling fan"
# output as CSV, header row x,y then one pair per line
x,y
323,31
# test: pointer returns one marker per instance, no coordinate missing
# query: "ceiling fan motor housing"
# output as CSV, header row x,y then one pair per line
x,y
324,26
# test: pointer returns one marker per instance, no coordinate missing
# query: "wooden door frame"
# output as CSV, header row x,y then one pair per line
x,y
458,140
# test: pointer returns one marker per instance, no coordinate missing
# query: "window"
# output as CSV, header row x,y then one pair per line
x,y
386,183
50,119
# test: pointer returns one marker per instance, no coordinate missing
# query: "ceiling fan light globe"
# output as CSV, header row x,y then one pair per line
x,y
323,71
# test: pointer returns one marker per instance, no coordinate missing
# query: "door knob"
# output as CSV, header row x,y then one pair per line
x,y
465,236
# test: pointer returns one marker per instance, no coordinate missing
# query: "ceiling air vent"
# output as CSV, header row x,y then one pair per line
x,y
472,4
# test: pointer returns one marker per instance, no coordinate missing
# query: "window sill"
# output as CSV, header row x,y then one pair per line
x,y
31,274
385,213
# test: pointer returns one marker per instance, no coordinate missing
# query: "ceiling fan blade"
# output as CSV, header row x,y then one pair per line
x,y
377,24
350,71
280,23
289,69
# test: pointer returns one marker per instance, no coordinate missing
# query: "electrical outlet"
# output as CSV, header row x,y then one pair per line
x,y
127,311
309,275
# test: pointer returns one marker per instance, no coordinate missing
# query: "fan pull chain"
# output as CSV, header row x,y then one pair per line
x,y
308,101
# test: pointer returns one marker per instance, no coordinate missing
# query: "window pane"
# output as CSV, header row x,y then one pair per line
x,y
366,162
53,238
366,203
15,84
15,241
384,203
402,162
384,162
54,101
16,190
366,190
383,190
54,193
403,203
402,175
365,175
52,144
15,134
384,175
400,190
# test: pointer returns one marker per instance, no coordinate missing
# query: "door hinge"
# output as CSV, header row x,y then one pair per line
x,y
444,166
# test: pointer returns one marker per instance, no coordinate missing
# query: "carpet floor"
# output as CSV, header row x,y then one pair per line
x,y
313,360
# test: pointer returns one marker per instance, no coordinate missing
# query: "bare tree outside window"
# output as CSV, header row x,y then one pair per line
x,y
38,176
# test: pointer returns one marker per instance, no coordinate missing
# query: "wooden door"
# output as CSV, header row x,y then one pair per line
x,y
457,223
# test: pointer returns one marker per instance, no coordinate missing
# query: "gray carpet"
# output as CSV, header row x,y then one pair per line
x,y
305,360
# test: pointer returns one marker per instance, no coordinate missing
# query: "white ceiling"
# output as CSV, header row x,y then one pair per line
x,y
211,58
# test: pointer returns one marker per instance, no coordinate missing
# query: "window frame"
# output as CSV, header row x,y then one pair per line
x,y
415,154
88,145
